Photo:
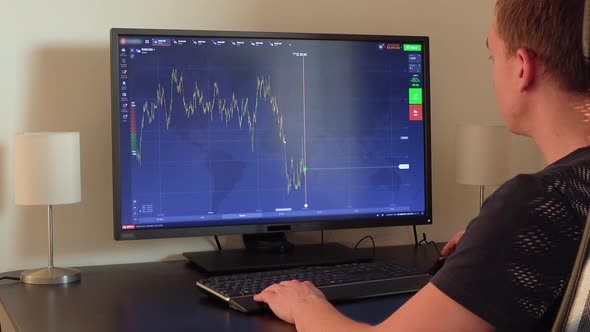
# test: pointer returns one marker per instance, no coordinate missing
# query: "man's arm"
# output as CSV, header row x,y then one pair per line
x,y
432,310
429,310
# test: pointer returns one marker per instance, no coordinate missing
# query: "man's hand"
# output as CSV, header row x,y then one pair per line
x,y
452,244
289,297
302,304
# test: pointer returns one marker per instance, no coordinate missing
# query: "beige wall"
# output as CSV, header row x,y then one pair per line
x,y
55,77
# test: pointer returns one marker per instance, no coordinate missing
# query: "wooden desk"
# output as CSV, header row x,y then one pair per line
x,y
161,296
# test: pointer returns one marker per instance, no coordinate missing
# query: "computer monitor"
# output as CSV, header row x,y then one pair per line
x,y
219,132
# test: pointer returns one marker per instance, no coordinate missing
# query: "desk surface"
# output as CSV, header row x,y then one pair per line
x,y
161,296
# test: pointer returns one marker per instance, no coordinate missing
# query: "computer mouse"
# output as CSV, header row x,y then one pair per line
x,y
438,264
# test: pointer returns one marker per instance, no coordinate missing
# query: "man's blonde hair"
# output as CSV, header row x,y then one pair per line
x,y
552,30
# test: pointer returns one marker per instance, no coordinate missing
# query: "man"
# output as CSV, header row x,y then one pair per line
x,y
509,270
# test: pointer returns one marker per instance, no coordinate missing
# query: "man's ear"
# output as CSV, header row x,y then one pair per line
x,y
528,68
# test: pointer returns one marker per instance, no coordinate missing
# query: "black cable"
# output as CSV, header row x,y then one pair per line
x,y
9,278
366,237
322,236
217,242
425,241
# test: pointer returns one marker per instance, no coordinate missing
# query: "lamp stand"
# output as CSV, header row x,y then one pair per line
x,y
481,192
50,274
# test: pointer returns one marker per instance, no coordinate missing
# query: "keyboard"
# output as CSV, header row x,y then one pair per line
x,y
338,282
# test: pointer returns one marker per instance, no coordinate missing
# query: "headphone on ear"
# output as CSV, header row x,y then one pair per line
x,y
586,32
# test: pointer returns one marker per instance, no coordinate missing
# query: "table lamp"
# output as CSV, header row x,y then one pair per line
x,y
482,157
47,172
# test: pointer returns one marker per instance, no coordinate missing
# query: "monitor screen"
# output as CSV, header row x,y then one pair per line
x,y
237,132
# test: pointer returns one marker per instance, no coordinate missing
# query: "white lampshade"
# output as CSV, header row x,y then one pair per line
x,y
482,157
47,168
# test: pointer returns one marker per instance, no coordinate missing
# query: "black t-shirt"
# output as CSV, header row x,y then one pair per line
x,y
512,265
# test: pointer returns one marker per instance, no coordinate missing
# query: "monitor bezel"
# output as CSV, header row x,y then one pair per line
x,y
258,227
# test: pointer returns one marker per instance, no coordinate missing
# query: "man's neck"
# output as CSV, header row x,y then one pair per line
x,y
561,124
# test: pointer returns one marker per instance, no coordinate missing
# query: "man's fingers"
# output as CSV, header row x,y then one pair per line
x,y
264,296
448,248
452,244
289,282
273,288
268,292
308,283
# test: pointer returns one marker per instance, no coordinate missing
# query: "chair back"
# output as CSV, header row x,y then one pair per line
x,y
574,312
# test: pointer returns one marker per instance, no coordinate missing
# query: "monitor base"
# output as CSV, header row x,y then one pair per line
x,y
242,260
267,242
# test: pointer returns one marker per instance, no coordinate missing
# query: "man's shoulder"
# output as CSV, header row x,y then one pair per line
x,y
564,183
516,255
519,191
569,177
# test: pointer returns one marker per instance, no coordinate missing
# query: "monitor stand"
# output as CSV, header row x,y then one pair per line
x,y
273,251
